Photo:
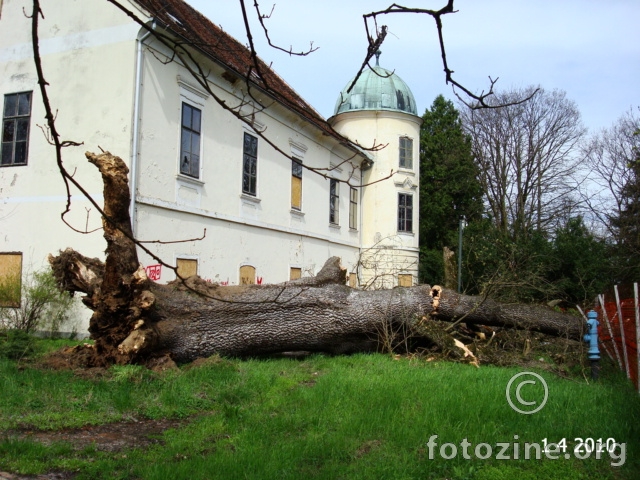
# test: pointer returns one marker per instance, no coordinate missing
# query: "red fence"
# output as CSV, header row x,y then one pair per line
x,y
619,329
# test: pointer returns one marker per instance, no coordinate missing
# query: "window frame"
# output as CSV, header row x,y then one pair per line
x,y
353,208
15,118
249,160
405,152
405,213
334,201
191,131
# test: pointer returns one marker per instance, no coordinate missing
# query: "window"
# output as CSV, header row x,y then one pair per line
x,y
405,280
247,275
296,185
353,208
334,202
249,164
15,128
187,267
190,141
405,213
295,273
10,279
406,153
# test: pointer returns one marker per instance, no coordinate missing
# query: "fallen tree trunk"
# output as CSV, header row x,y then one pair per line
x,y
135,318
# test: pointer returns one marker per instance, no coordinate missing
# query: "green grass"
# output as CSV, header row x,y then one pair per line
x,y
362,416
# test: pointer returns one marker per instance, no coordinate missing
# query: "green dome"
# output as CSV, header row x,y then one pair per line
x,y
377,89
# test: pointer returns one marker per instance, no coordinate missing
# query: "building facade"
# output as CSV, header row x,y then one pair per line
x,y
229,154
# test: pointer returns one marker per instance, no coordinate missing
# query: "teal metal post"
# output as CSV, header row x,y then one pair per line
x,y
591,337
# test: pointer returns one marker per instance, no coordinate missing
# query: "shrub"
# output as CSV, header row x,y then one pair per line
x,y
42,306
15,344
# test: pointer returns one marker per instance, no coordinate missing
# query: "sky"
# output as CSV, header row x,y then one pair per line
x,y
588,48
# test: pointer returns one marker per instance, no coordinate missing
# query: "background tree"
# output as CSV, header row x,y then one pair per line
x,y
613,192
528,155
449,185
533,244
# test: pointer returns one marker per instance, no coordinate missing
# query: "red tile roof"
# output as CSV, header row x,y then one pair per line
x,y
183,20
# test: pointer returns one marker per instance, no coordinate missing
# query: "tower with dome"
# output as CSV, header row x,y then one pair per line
x,y
381,111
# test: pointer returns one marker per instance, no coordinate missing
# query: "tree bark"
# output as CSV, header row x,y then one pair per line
x,y
135,318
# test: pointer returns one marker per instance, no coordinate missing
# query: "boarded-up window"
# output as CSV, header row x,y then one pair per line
x,y
295,273
405,280
10,279
296,185
353,280
187,267
247,275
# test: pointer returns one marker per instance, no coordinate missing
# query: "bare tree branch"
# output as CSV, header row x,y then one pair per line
x,y
478,100
262,17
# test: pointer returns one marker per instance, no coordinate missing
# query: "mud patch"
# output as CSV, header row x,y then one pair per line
x,y
367,447
111,437
45,476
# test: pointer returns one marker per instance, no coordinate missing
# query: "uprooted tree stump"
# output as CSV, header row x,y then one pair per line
x,y
135,319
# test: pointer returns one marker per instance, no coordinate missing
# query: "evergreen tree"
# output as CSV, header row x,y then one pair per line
x,y
449,185
581,267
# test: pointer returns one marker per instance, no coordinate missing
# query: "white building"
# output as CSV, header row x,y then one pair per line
x,y
193,164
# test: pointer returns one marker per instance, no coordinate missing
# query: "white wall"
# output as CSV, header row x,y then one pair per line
x,y
262,231
87,51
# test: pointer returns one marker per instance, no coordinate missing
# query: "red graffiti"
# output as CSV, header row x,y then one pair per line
x,y
259,280
154,272
225,283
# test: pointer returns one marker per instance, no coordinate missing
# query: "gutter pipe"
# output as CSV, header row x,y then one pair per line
x,y
136,129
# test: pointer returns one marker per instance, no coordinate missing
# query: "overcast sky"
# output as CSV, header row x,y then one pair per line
x,y
588,48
